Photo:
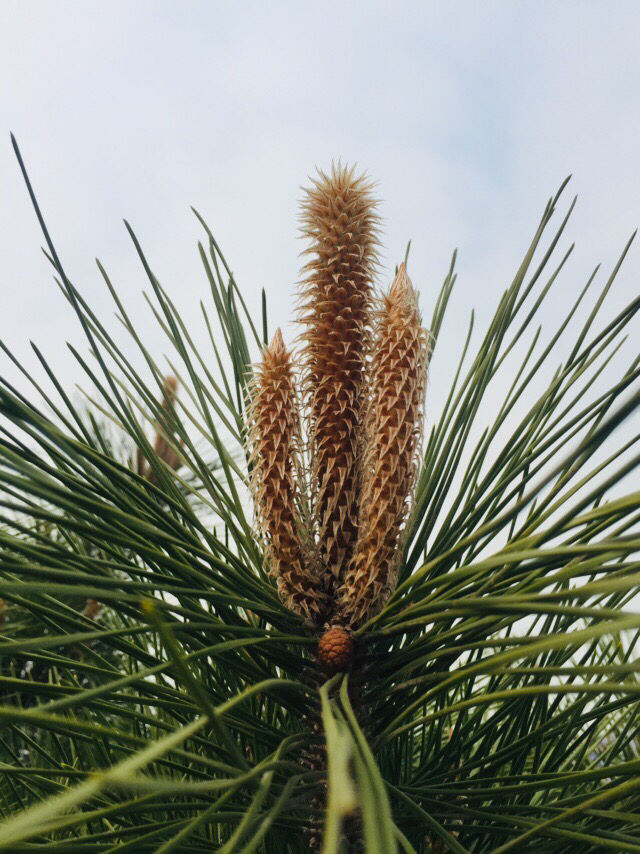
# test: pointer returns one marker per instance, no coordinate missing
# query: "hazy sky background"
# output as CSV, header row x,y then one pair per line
x,y
468,114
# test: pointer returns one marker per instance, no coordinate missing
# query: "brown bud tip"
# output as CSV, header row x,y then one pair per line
x,y
171,387
335,649
402,292
276,347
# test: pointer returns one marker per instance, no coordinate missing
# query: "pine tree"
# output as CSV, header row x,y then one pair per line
x,y
319,625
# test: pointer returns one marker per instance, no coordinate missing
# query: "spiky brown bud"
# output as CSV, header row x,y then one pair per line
x,y
335,649
393,430
273,443
338,218
163,447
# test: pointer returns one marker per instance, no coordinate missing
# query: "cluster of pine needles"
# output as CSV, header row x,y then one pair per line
x,y
249,603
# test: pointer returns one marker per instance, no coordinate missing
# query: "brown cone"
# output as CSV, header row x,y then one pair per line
x,y
164,448
335,649
393,430
339,220
273,441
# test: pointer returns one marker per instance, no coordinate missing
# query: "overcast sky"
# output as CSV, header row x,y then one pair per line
x,y
468,114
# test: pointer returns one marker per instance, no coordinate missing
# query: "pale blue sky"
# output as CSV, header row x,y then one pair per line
x,y
468,114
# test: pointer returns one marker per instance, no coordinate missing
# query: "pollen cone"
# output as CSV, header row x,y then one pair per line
x,y
393,430
273,441
339,220
162,445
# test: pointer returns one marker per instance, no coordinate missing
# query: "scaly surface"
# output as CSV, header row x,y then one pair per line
x,y
273,438
340,222
393,428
